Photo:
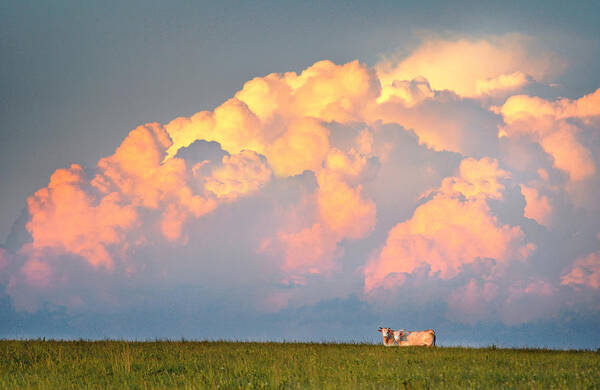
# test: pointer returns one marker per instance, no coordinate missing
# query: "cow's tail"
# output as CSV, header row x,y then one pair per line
x,y
434,339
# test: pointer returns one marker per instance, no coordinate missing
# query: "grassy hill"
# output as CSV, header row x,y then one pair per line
x,y
190,365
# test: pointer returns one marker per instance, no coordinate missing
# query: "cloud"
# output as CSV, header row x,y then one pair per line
x,y
66,215
502,83
472,302
311,250
342,208
407,92
302,147
453,228
339,211
529,301
471,67
537,206
585,271
478,179
444,122
261,115
546,122
386,183
240,174
520,107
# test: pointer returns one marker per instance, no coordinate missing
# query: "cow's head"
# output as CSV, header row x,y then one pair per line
x,y
386,332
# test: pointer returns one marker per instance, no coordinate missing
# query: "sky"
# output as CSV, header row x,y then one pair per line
x,y
301,171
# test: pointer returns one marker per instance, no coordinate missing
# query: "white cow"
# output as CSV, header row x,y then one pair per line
x,y
416,338
388,336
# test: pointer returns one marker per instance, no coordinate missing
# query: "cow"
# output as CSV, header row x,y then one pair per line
x,y
416,338
388,336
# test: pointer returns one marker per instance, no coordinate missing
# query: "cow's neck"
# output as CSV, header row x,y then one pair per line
x,y
389,340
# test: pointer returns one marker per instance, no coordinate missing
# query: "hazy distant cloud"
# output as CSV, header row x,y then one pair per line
x,y
585,271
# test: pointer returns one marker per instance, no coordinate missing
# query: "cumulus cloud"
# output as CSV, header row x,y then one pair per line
x,y
519,107
471,67
547,123
64,215
502,83
528,301
472,302
453,228
537,206
240,174
339,181
585,271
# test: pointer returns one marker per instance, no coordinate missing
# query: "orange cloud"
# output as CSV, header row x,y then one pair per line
x,y
311,250
444,234
275,128
447,231
545,123
348,164
470,67
342,208
268,96
302,147
255,117
478,179
131,170
341,212
522,107
585,271
272,115
94,218
172,223
278,116
65,216
568,153
503,82
232,124
352,167
333,92
537,206
138,170
408,92
241,174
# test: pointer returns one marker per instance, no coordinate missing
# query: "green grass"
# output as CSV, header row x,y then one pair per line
x,y
191,365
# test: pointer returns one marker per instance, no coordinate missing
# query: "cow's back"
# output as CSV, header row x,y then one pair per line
x,y
423,338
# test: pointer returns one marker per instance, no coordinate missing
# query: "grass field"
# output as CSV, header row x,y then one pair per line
x,y
190,365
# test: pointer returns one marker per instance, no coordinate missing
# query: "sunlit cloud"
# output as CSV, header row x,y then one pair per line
x,y
342,180
472,67
453,228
